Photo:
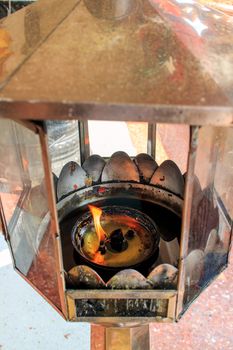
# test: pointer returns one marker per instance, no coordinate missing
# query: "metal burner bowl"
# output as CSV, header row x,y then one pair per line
x,y
111,213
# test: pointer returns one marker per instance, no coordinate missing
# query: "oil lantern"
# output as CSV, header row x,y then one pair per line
x,y
116,156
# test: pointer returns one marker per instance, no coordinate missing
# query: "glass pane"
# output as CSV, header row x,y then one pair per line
x,y
172,142
25,204
63,140
224,170
210,225
107,137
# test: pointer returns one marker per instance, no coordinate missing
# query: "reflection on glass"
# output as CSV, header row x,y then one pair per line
x,y
172,142
211,222
63,141
107,137
110,9
24,198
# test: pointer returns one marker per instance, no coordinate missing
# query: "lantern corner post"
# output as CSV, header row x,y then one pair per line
x,y
42,132
186,216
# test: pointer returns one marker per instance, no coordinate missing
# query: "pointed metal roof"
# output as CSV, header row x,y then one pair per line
x,y
167,61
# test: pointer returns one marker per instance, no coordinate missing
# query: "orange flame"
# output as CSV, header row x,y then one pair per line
x,y
96,213
98,259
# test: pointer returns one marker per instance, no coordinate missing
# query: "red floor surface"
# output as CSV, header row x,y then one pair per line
x,y
206,325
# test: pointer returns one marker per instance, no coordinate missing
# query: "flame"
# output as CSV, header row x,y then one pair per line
x,y
96,213
98,259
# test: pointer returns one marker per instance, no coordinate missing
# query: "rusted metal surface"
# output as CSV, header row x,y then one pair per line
x,y
72,177
146,166
164,276
94,166
168,176
173,114
84,277
129,279
127,190
120,167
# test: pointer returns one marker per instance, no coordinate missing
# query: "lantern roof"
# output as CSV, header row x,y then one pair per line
x,y
154,60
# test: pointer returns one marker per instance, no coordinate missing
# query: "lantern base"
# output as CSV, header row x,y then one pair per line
x,y
120,338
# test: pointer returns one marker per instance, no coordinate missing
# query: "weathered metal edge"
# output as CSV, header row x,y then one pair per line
x,y
54,218
72,295
194,134
120,294
42,110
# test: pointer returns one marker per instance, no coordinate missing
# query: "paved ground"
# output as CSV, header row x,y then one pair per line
x,y
27,322
207,325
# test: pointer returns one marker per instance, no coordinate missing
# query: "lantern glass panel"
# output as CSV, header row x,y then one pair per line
x,y
25,205
211,210
107,137
63,143
172,142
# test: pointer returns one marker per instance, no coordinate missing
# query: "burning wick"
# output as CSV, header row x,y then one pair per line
x,y
96,213
115,242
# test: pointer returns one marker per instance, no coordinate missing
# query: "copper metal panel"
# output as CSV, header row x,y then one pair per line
x,y
140,61
24,31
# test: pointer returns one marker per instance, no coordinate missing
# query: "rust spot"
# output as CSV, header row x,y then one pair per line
x,y
101,189
88,181
162,178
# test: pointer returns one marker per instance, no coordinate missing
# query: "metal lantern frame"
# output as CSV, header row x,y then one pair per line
x,y
22,101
